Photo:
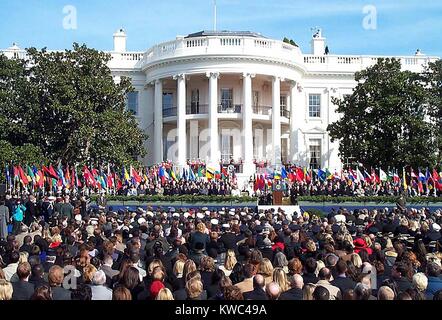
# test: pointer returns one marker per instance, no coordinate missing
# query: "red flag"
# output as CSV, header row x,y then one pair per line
x,y
308,178
374,177
299,175
23,177
50,172
134,174
88,178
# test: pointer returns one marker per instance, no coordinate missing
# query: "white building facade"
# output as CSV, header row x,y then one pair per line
x,y
238,96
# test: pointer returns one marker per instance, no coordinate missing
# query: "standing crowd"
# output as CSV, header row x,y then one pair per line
x,y
65,249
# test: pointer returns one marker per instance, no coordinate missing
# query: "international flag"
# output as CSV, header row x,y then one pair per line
x,y
404,179
50,172
367,176
277,175
8,176
134,175
173,175
88,177
283,173
412,174
125,176
300,175
192,176
337,176
359,175
396,178
328,174
210,173
307,176
224,173
201,172
23,178
321,175
382,175
352,175
422,177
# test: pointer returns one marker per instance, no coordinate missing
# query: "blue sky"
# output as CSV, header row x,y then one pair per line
x,y
402,26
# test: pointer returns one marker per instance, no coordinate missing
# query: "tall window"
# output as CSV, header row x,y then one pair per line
x,y
283,103
226,147
255,98
168,109
226,99
195,101
132,102
315,153
314,106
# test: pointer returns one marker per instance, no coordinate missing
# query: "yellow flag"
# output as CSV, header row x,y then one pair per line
x,y
404,178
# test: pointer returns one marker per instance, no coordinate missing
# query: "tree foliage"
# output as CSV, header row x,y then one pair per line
x,y
385,122
433,82
66,106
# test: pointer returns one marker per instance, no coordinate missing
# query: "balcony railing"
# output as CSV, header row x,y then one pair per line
x,y
224,108
262,110
285,113
197,109
170,112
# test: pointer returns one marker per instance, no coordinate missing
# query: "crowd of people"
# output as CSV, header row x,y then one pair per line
x,y
66,249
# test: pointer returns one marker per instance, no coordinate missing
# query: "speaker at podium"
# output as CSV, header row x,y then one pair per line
x,y
277,194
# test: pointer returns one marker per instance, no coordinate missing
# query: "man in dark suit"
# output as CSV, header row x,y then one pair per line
x,y
342,281
23,290
56,277
295,293
36,277
309,275
258,292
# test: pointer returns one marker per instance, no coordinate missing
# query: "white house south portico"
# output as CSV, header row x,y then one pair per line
x,y
238,96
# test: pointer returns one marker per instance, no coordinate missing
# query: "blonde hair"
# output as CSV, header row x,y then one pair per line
x,y
307,291
155,263
230,260
265,268
280,278
178,268
164,294
89,272
207,264
310,246
5,290
201,227
189,266
356,260
23,257
194,288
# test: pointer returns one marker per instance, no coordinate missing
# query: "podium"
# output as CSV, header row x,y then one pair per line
x,y
277,194
277,198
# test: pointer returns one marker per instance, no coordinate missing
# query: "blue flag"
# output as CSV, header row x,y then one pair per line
x,y
321,175
283,173
192,176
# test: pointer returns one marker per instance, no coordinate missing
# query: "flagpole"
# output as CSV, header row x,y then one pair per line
x,y
214,15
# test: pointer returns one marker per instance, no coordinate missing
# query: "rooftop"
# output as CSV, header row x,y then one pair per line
x,y
225,33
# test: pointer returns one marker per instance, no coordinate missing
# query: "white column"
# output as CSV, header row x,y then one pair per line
x,y
247,133
293,116
158,122
181,119
276,121
214,157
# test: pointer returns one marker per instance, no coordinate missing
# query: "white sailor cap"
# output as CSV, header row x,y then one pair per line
x,y
186,215
78,217
199,215
175,214
243,214
141,221
207,212
226,225
222,212
214,222
149,213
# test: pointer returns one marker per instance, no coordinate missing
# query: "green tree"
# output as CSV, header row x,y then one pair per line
x,y
433,81
385,121
67,106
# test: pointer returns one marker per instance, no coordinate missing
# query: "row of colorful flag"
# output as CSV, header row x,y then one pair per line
x,y
107,177
431,179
